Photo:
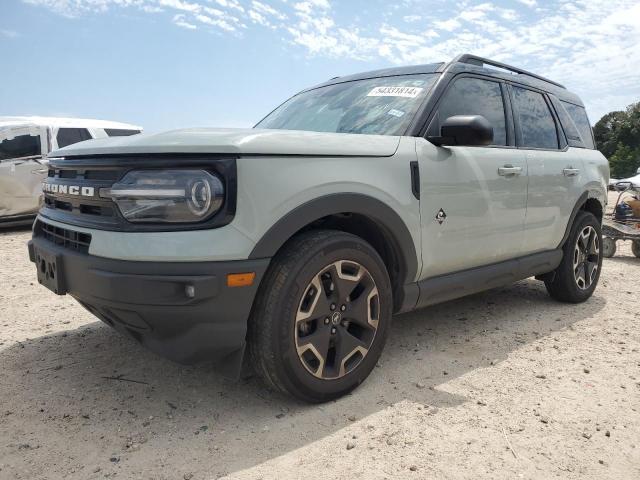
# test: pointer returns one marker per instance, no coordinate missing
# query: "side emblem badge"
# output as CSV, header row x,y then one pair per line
x,y
441,217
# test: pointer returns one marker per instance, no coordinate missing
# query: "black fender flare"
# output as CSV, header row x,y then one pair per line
x,y
578,206
382,214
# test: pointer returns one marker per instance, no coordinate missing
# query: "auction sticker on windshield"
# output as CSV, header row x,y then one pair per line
x,y
406,92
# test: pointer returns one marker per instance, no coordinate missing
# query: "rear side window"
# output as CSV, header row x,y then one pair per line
x,y
571,131
473,96
20,146
537,126
579,117
69,136
120,132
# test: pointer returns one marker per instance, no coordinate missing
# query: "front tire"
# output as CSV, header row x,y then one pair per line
x,y
576,278
635,248
321,317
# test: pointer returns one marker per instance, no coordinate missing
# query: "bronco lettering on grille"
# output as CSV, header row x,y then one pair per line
x,y
68,189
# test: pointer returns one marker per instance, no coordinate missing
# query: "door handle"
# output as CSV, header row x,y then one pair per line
x,y
570,172
509,171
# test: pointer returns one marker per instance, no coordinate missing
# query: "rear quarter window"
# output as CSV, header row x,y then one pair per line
x,y
568,126
581,120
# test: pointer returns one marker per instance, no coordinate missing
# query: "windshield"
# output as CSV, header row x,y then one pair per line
x,y
20,146
376,106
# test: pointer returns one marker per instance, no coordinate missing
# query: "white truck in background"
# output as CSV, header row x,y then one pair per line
x,y
25,143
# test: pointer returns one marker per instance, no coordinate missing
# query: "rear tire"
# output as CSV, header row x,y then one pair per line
x,y
635,248
576,278
608,247
321,316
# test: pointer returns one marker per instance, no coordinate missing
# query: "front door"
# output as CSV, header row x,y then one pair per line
x,y
472,205
473,199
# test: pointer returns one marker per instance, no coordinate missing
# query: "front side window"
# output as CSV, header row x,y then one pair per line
x,y
579,117
376,106
69,136
474,96
20,146
537,126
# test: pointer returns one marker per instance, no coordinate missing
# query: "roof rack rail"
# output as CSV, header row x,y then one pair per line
x,y
480,62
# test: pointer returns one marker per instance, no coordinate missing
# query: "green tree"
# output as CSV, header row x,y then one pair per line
x,y
617,135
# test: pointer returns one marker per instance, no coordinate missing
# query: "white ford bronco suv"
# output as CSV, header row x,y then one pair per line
x,y
297,241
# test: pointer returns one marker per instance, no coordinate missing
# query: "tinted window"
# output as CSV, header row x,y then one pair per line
x,y
537,126
120,132
20,146
579,116
375,106
569,127
472,96
69,136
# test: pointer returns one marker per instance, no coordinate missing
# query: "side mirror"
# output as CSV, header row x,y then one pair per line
x,y
638,171
469,130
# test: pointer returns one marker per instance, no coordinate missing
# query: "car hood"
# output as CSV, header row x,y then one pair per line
x,y
238,142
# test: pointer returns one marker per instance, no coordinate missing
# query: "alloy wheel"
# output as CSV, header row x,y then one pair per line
x,y
337,320
586,257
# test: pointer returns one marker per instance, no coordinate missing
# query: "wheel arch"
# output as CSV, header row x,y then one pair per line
x,y
358,214
589,202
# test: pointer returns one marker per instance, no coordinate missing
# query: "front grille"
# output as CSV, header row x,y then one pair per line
x,y
65,238
87,210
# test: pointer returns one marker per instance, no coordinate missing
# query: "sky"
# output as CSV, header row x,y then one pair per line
x,y
167,64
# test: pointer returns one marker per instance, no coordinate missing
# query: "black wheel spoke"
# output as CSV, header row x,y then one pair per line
x,y
358,309
592,247
587,279
579,273
348,345
318,344
582,243
343,284
315,303
322,306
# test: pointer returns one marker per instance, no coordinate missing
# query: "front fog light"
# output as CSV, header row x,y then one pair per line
x,y
174,196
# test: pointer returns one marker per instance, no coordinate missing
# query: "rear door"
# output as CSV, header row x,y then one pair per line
x,y
21,170
554,171
473,199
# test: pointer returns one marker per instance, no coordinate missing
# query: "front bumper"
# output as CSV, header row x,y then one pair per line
x,y
184,311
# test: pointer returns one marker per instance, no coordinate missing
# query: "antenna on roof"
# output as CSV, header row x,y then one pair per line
x,y
481,62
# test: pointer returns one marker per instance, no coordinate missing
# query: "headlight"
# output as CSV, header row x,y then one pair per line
x,y
173,196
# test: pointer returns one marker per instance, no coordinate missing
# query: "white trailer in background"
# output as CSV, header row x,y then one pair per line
x,y
25,143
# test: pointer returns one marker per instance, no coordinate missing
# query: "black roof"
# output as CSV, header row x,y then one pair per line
x,y
468,63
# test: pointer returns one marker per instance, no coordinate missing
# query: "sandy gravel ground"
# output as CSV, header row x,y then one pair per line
x,y
504,384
